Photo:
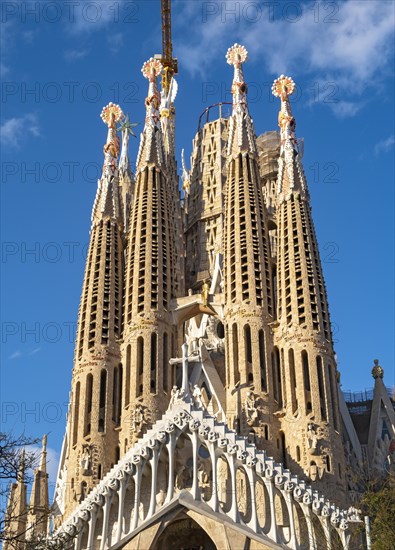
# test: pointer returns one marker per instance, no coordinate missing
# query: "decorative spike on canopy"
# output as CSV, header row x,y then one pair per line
x,y
236,56
111,114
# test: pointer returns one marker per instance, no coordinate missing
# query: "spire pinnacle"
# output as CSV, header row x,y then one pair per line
x,y
21,469
283,87
110,115
43,459
236,56
151,146
241,132
289,159
151,70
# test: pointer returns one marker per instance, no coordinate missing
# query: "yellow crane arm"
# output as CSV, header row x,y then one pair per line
x,y
170,65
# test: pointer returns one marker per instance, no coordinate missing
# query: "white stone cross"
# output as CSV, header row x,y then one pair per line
x,y
185,360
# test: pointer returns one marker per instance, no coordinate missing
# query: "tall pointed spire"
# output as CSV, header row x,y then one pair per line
x,y
107,197
21,469
43,458
151,147
97,375
241,131
16,512
152,271
37,518
303,333
247,265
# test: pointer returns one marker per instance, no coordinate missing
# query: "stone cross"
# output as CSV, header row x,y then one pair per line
x,y
185,360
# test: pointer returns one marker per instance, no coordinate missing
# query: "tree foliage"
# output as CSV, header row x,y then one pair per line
x,y
378,502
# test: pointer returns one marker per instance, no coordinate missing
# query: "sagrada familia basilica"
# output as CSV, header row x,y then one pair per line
x,y
205,410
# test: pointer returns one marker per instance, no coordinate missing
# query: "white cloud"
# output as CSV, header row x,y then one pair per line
x,y
14,130
384,145
4,70
355,52
93,16
115,41
5,43
15,355
75,55
345,109
34,351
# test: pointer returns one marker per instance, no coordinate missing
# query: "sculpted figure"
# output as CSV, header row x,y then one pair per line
x,y
173,395
205,293
138,419
312,438
85,461
197,397
251,408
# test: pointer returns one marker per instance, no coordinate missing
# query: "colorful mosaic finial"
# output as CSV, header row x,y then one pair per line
x,y
377,371
236,55
283,87
111,114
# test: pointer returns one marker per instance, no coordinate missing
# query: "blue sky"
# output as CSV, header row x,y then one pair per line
x,y
62,63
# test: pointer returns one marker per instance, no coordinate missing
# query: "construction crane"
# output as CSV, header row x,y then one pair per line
x,y
170,64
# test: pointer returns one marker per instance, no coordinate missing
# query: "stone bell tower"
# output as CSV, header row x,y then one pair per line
x,y
248,289
97,375
310,422
152,273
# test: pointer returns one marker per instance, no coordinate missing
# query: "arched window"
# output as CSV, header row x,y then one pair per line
x,y
127,380
140,365
88,404
276,373
262,361
235,343
306,372
333,390
321,390
292,376
76,412
165,363
154,346
102,401
248,353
